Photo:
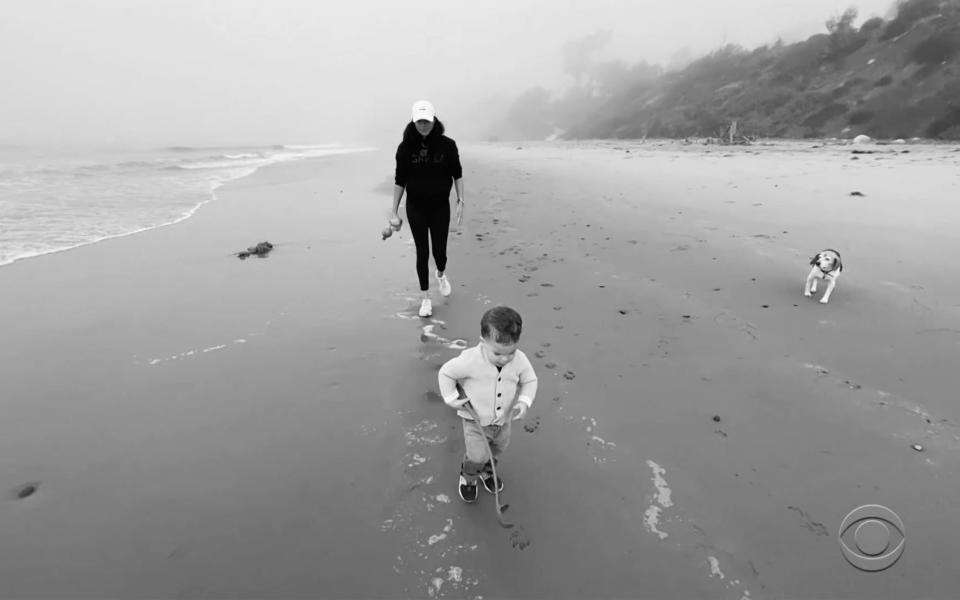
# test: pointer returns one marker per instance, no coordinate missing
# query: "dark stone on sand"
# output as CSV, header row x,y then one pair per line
x,y
261,250
716,418
855,193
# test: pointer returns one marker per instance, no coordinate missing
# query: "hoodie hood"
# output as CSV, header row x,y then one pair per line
x,y
412,136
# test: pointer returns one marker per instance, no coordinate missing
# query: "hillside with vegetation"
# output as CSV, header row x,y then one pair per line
x,y
887,78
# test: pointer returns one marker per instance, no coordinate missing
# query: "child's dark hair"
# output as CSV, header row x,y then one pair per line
x,y
505,321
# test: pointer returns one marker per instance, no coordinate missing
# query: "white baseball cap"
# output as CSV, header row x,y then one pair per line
x,y
423,110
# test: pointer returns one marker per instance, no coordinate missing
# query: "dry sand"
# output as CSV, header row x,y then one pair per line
x,y
201,426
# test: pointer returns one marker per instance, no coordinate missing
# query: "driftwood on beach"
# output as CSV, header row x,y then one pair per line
x,y
725,136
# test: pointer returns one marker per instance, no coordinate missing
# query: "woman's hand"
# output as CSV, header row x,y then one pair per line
x,y
459,212
395,221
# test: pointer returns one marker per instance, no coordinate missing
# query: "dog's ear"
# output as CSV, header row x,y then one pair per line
x,y
815,258
839,265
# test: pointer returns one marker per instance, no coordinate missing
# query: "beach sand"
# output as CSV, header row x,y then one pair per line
x,y
199,426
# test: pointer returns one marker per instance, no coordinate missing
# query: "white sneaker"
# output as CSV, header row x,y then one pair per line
x,y
445,288
426,308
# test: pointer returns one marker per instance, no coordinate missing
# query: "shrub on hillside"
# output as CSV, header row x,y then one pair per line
x,y
859,117
843,39
885,80
908,13
871,25
936,49
803,57
817,119
702,120
947,121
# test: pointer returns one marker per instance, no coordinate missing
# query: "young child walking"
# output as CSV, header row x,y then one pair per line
x,y
498,381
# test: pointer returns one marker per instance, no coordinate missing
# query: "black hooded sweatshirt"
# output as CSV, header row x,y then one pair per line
x,y
427,167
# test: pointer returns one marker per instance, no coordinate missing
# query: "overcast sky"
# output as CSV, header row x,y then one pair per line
x,y
143,72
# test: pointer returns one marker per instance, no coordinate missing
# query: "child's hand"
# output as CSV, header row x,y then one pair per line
x,y
519,411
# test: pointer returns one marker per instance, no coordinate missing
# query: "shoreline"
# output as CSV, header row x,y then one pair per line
x,y
210,197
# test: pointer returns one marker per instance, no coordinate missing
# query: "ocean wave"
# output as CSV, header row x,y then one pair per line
x,y
217,164
64,203
306,146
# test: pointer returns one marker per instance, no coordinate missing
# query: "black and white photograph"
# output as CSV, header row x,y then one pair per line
x,y
528,299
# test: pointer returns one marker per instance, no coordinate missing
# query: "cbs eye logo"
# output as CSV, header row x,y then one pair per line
x,y
872,537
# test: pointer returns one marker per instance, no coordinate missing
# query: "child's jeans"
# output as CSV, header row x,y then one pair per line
x,y
476,460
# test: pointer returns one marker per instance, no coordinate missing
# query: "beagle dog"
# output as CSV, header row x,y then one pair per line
x,y
825,265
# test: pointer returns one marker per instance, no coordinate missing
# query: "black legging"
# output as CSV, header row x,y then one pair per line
x,y
429,222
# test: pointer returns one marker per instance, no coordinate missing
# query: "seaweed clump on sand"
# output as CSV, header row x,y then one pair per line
x,y
261,250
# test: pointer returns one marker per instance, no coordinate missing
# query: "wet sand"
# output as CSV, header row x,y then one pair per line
x,y
201,426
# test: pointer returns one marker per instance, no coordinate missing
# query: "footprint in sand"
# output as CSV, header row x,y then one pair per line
x,y
519,539
569,375
532,425
423,521
427,335
523,278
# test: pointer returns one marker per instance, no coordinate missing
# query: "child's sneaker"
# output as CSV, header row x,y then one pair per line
x,y
468,492
487,479
426,308
445,288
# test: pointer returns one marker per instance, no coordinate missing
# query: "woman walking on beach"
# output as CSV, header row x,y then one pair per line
x,y
428,165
